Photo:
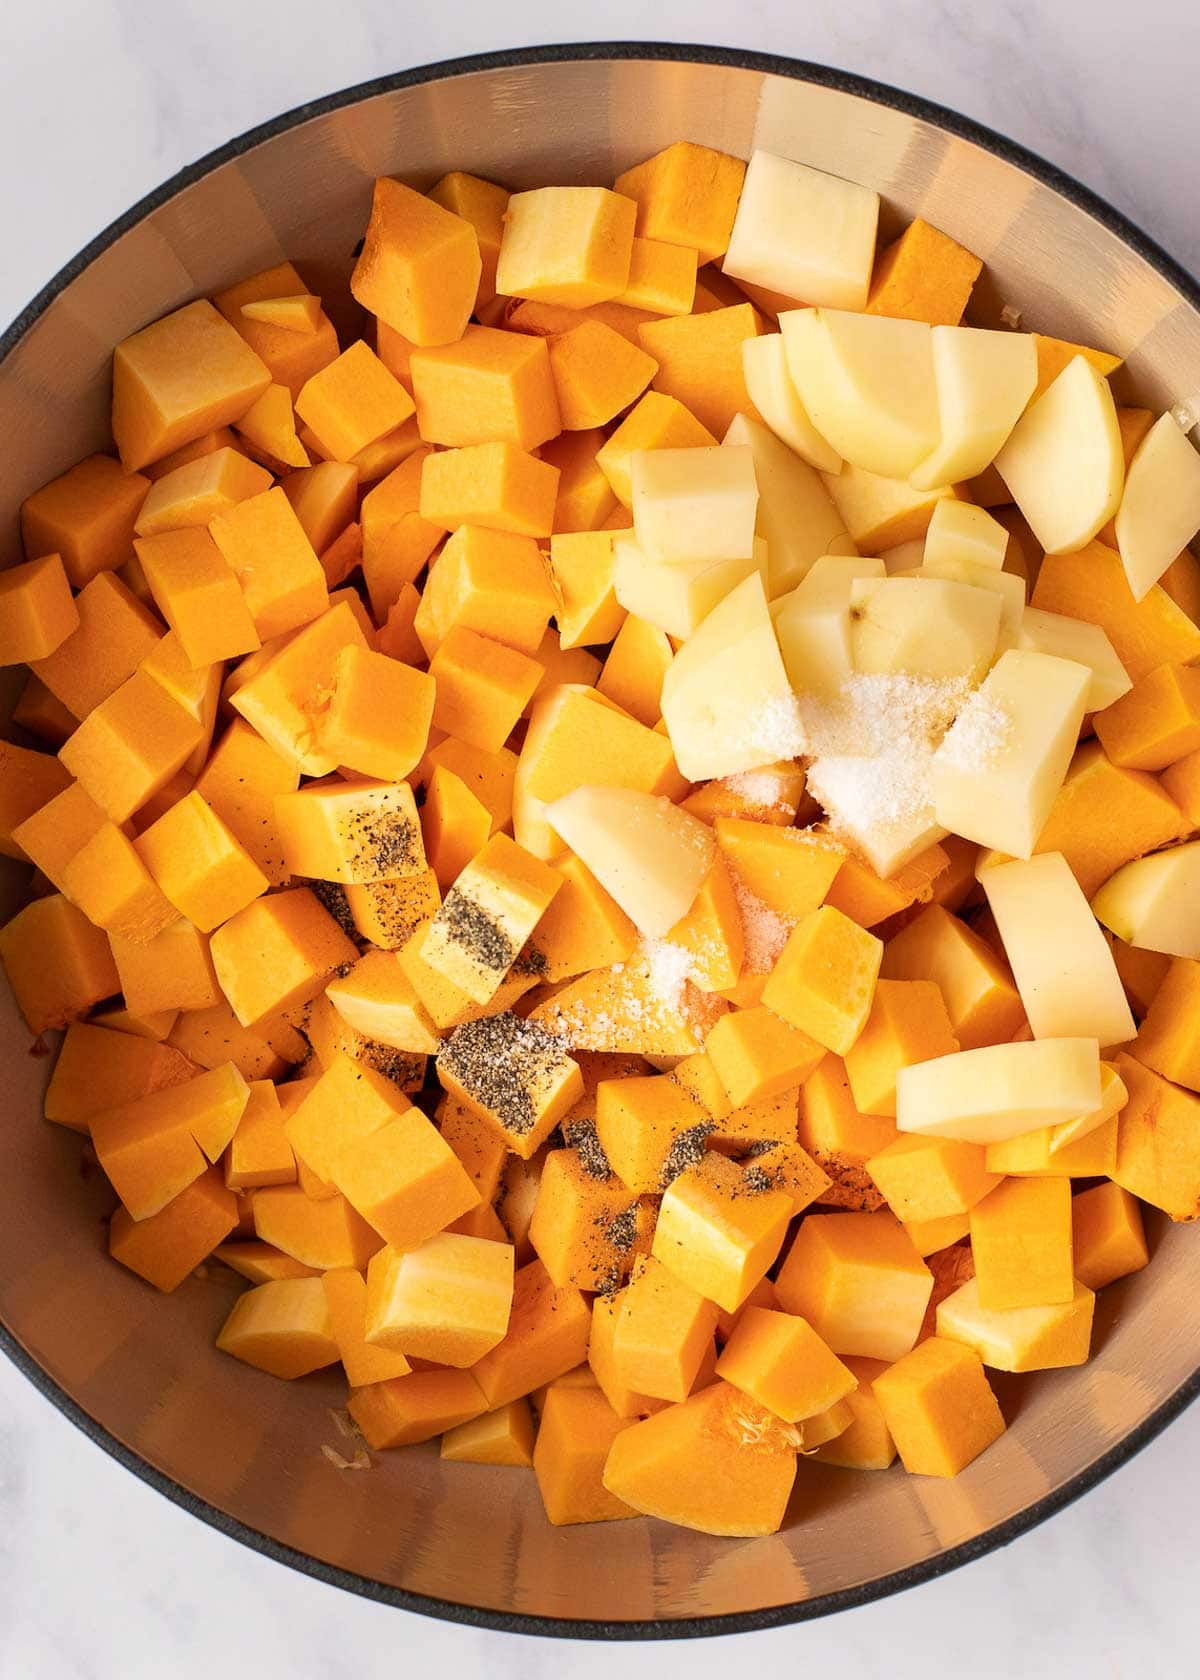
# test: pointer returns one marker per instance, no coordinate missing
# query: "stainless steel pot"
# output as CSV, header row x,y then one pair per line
x,y
137,1371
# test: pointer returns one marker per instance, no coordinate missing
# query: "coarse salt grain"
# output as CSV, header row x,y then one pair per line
x,y
757,787
777,730
977,734
668,969
764,932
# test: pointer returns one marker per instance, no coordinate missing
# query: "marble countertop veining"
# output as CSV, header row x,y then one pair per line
x,y
100,100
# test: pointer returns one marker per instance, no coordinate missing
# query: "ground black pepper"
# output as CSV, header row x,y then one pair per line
x,y
469,926
384,843
623,1230
331,896
582,1136
688,1150
503,1061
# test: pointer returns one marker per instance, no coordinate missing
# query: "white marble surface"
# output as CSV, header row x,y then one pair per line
x,y
99,101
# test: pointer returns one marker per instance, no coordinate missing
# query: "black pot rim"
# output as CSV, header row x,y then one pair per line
x,y
696,1627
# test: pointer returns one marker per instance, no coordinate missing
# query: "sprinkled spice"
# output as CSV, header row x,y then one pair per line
x,y
502,1061
529,960
688,1150
385,842
469,926
582,1136
756,1181
623,1230
402,1067
331,896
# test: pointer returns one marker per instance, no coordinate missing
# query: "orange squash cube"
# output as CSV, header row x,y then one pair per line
x,y
700,361
283,697
177,379
324,499
789,869
1104,816
214,1035
420,267
98,1068
199,865
657,421
577,1429
1053,355
29,782
198,594
908,1023
292,357
114,635
581,575
980,998
173,971
585,497
1156,722
379,714
504,1436
493,582
583,929
597,373
840,1138
635,667
37,610
514,1074
169,1245
267,430
924,1178
276,953
447,1004
584,1224
1091,585
664,1330
780,1361
574,738
650,1128
686,195
239,782
258,1262
353,402
57,963
923,276
719,1463
489,386
346,1298
447,1300
756,1055
259,1152
415,1408
404,1180
626,1402
859,1282
939,1407
86,516
482,687
1167,1041
1108,1237
487,915
866,1442
193,494
566,245
717,1233
109,881
153,1146
482,203
397,540
377,999
283,1328
662,278
1021,1243
41,714
547,1336
868,899
281,578
388,913
492,484
322,1232
824,980
221,437
351,831
1157,1155
344,1105
300,312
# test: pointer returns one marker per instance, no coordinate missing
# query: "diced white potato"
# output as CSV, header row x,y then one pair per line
x,y
650,855
983,381
803,232
1001,1091
1009,587
796,515
813,624
927,627
771,390
1087,644
1160,510
1064,463
905,558
678,598
882,512
1154,902
886,843
962,531
726,699
1020,1338
1003,760
1113,1097
867,382
1061,962
694,504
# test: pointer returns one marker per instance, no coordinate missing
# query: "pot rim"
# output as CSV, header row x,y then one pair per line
x,y
691,1627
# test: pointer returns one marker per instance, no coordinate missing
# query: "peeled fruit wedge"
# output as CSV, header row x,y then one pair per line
x,y
1154,902
1064,463
1000,1091
719,1463
867,381
796,515
1160,510
773,392
983,382
647,853
726,699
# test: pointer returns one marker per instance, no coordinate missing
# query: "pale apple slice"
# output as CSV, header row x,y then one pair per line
x,y
770,388
1154,902
694,504
726,699
1062,963
983,381
922,626
677,598
867,382
813,624
1003,760
1087,644
796,514
1000,1091
962,531
1064,463
804,233
1160,510
648,854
